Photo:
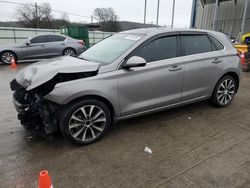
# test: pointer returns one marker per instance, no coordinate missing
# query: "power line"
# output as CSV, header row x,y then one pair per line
x,y
55,10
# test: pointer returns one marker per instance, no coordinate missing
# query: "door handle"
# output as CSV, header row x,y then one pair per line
x,y
216,60
175,68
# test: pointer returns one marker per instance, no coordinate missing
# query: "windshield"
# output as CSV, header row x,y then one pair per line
x,y
108,50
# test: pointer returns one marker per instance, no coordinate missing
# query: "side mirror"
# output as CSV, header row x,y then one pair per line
x,y
232,40
135,61
28,42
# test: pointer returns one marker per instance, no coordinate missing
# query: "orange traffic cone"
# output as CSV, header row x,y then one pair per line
x,y
44,180
243,58
13,64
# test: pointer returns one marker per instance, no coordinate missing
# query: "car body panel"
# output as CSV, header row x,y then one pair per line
x,y
33,51
143,88
104,85
201,74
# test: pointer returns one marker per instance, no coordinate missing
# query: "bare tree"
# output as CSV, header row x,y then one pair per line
x,y
105,15
35,15
107,18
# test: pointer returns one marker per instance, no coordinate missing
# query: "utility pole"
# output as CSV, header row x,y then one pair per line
x,y
92,17
145,11
172,23
243,20
157,18
215,14
37,20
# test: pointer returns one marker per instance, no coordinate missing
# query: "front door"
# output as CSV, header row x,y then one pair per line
x,y
37,49
156,85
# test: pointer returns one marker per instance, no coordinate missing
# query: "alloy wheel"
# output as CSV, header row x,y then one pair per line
x,y
87,123
7,57
226,91
69,52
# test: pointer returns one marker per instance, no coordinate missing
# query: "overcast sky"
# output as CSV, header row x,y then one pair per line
x,y
131,10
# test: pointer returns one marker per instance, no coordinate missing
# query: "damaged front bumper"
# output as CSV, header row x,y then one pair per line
x,y
34,112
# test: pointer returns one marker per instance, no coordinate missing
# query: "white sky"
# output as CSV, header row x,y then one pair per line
x,y
129,10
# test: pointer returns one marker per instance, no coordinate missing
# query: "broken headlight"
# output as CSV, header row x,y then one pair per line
x,y
24,78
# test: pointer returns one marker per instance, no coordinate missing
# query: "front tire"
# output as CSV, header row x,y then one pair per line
x,y
85,122
7,56
224,91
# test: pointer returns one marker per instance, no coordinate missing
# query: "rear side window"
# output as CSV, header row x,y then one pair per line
x,y
195,44
56,38
159,49
39,39
216,45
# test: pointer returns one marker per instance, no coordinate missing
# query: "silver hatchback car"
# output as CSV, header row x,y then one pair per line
x,y
129,74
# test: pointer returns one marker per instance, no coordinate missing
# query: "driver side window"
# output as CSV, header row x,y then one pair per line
x,y
159,49
39,39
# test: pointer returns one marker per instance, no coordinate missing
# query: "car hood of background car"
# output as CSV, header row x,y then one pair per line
x,y
8,46
38,73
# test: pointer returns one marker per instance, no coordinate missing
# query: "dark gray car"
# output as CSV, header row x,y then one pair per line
x,y
41,47
129,74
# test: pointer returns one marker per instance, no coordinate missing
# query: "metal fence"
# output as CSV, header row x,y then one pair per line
x,y
10,35
97,36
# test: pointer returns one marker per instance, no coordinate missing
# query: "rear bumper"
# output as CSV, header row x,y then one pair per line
x,y
79,51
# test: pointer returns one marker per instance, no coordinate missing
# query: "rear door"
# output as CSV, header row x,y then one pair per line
x,y
203,64
37,48
156,85
56,45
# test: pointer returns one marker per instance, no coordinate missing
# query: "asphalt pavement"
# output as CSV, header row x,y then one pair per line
x,y
192,146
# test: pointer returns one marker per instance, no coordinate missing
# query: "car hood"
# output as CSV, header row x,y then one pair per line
x,y
38,73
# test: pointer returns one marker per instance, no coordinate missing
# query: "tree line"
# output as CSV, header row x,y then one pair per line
x,y
40,16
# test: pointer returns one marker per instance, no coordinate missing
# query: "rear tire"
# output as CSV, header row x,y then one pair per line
x,y
85,122
224,91
7,56
69,51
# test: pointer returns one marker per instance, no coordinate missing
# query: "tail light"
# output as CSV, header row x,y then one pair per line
x,y
80,42
238,53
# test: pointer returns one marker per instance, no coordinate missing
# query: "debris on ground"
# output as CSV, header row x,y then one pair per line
x,y
189,117
148,150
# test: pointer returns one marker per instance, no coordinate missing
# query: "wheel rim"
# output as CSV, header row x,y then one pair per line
x,y
87,123
226,91
69,52
7,57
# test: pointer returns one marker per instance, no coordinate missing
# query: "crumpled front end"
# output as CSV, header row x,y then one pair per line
x,y
34,82
34,112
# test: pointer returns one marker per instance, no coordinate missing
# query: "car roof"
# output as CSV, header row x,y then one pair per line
x,y
159,30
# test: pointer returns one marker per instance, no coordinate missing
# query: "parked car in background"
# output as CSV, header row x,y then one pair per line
x,y
129,74
41,47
